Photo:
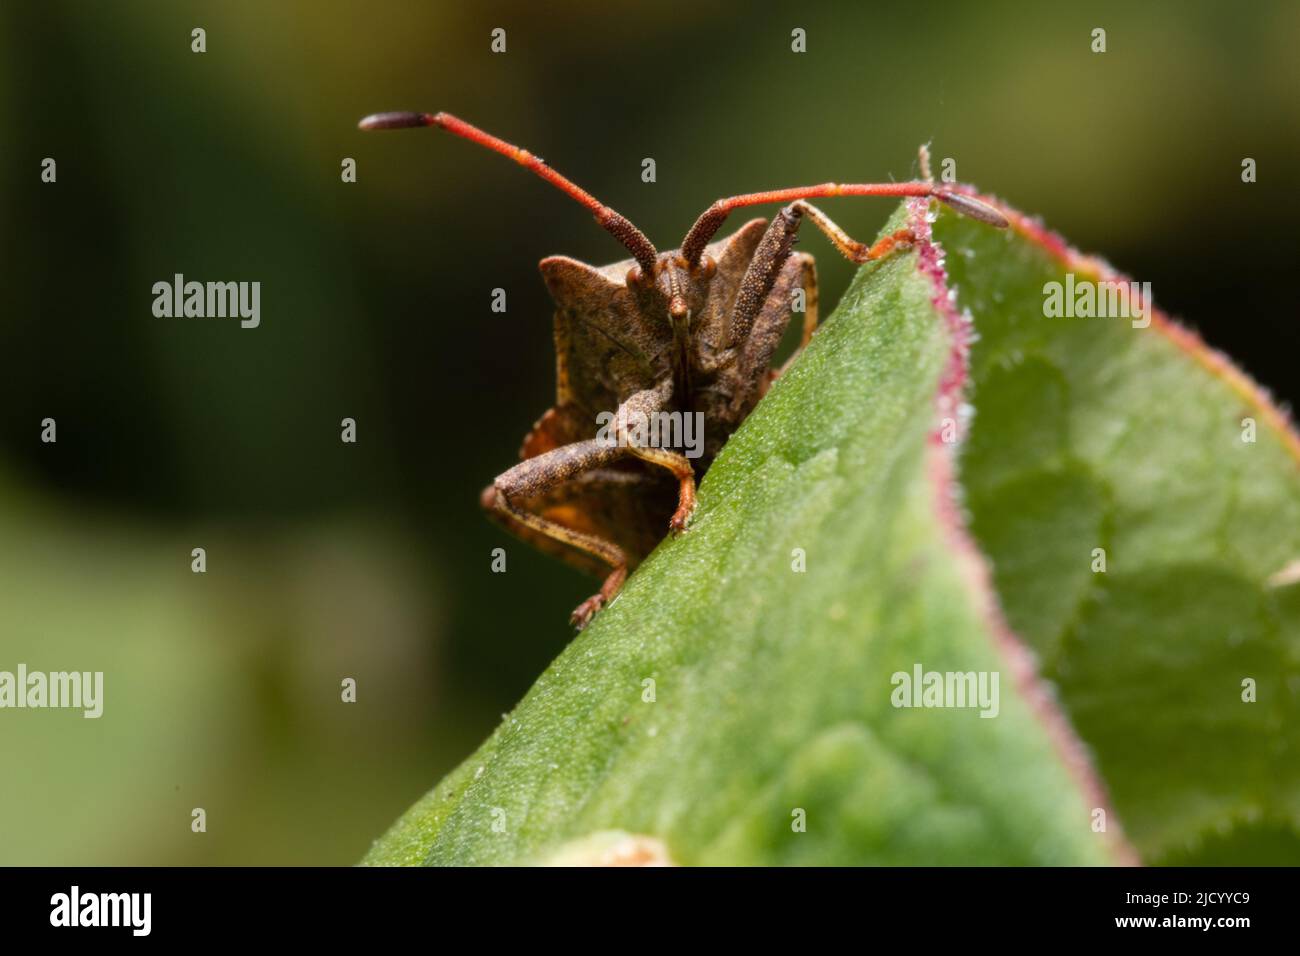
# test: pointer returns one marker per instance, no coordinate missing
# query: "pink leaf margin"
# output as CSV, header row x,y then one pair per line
x,y
941,472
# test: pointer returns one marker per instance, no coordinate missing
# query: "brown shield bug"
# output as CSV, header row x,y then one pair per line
x,y
688,332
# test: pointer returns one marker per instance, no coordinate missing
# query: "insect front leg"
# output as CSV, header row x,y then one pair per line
x,y
638,409
849,247
713,217
773,251
537,475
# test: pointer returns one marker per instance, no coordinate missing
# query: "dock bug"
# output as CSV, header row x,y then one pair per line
x,y
690,330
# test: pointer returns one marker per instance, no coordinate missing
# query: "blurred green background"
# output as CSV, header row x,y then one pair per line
x,y
372,560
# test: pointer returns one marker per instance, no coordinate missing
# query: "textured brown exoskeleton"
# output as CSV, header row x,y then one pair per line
x,y
692,330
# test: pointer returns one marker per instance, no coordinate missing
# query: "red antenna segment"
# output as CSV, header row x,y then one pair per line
x,y
632,238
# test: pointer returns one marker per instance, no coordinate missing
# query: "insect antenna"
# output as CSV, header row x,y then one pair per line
x,y
632,238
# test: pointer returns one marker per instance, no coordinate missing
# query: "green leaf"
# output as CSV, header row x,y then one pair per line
x,y
1091,433
772,687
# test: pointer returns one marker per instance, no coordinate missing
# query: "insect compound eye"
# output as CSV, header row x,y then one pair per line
x,y
634,276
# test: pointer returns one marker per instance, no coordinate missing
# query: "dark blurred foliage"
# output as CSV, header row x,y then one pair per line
x,y
375,305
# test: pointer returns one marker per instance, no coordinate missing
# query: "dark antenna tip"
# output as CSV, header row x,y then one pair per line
x,y
974,208
398,120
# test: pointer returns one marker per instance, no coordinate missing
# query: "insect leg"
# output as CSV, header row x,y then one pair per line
x,y
712,218
680,467
536,475
808,282
849,247
639,408
773,251
769,326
